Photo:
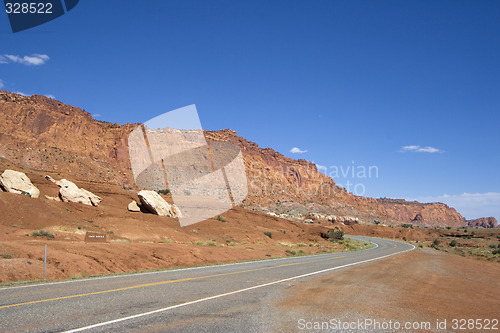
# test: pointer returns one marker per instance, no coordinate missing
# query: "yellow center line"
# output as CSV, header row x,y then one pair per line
x,y
160,283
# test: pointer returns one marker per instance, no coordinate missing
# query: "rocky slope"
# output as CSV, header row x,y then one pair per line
x,y
43,134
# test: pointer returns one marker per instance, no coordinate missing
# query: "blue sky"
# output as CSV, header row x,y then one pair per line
x,y
409,87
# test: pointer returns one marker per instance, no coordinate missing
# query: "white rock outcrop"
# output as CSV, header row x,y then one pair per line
x,y
157,205
17,182
69,192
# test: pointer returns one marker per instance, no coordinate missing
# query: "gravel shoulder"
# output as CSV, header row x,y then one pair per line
x,y
424,285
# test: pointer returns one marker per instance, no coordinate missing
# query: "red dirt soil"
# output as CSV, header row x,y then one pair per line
x,y
136,241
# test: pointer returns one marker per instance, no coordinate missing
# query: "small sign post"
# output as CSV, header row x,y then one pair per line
x,y
45,264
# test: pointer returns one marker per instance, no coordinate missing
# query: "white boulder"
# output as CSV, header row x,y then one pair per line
x,y
17,182
133,207
157,205
69,192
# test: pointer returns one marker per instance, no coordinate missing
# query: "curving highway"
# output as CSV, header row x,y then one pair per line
x,y
233,297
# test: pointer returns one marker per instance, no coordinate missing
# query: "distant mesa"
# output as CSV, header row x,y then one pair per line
x,y
484,222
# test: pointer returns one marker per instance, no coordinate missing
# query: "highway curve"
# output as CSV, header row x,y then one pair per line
x,y
233,297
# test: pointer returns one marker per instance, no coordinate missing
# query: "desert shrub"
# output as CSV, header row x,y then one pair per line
x,y
376,222
26,193
302,252
453,243
335,235
404,238
497,251
493,246
435,243
7,256
268,234
220,218
448,228
421,246
43,233
290,252
165,191
407,226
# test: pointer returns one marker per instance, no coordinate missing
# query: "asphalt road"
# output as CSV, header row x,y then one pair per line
x,y
224,298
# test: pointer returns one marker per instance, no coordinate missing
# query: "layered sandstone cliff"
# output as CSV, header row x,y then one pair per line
x,y
40,133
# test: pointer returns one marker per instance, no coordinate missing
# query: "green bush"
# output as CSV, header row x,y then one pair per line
x,y
453,243
165,191
7,256
497,251
220,218
335,235
43,233
268,234
435,244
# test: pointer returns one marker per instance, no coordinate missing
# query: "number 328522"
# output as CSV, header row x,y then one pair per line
x,y
31,8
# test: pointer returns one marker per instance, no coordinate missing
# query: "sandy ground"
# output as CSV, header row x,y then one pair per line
x,y
420,286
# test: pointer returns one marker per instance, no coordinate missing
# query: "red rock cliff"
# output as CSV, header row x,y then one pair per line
x,y
40,133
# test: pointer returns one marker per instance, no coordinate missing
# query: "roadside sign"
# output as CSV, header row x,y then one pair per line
x,y
95,237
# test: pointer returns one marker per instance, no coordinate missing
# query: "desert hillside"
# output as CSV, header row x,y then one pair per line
x,y
39,133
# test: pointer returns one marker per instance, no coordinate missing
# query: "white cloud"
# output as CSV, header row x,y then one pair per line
x,y
21,93
419,149
50,96
296,150
33,60
96,115
1,84
470,205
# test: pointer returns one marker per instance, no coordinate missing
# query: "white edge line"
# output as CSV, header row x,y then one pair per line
x,y
126,275
230,293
